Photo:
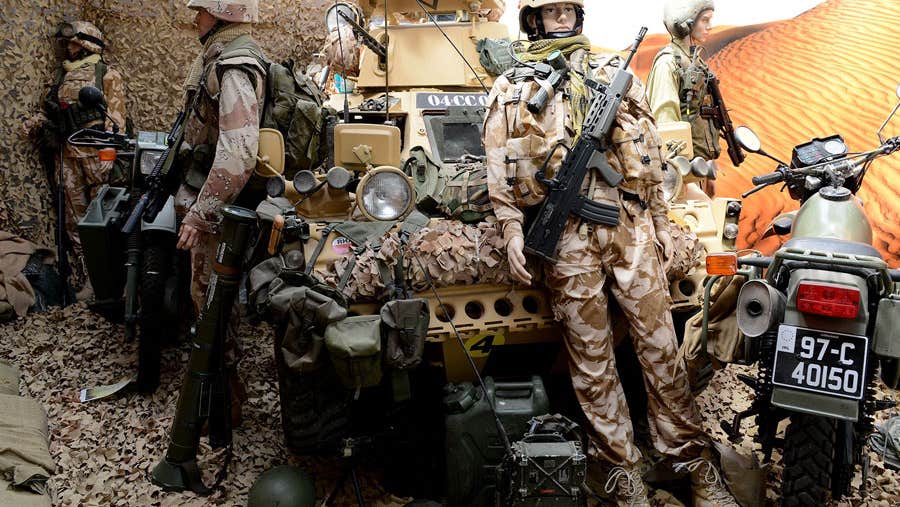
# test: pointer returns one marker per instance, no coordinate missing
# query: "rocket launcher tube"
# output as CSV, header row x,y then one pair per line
x,y
204,393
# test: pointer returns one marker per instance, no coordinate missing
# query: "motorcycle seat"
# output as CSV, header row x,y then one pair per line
x,y
832,245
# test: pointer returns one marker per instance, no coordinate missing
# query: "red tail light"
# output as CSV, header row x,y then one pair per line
x,y
828,299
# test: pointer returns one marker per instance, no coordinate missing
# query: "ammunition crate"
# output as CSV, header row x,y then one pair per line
x,y
104,243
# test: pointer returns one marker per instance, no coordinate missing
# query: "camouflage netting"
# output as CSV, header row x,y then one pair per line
x,y
454,253
151,42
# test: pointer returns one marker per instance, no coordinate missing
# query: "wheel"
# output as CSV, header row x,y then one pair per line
x,y
154,277
808,459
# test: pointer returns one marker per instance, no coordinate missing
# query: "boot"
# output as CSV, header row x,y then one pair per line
x,y
708,489
627,487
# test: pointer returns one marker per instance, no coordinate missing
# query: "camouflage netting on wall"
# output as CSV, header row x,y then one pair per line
x,y
151,42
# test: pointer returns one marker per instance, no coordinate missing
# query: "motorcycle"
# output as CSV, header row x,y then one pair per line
x,y
139,278
819,317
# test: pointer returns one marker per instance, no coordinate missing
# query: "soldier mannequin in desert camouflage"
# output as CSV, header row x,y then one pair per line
x,y
224,102
625,259
689,23
83,172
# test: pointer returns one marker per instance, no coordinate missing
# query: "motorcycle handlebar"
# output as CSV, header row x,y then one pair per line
x,y
768,179
756,262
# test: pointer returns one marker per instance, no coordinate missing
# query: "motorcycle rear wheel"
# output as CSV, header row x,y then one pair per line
x,y
808,459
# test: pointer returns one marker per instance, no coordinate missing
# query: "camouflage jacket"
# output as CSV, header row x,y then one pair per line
x,y
222,135
517,142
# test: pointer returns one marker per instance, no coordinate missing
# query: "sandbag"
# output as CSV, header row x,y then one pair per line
x,y
10,497
24,443
9,379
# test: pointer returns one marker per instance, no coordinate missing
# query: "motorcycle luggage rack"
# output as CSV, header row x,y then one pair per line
x,y
852,261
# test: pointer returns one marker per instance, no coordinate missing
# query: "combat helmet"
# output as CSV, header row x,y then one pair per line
x,y
532,7
283,486
230,11
84,34
679,16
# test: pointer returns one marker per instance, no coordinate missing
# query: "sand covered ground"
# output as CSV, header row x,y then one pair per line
x,y
105,449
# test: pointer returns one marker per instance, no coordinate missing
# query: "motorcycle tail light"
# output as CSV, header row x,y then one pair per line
x,y
721,263
828,299
107,155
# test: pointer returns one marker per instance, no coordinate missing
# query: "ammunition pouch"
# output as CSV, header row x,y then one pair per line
x,y
404,326
465,196
494,55
354,345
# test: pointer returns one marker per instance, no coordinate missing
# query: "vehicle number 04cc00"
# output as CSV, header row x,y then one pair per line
x,y
819,361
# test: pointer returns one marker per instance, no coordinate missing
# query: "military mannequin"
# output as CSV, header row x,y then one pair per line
x,y
341,52
625,259
83,172
224,98
676,87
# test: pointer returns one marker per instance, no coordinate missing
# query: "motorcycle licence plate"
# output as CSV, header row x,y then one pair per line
x,y
819,361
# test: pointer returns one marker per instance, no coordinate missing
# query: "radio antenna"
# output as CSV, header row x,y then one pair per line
x,y
387,68
343,74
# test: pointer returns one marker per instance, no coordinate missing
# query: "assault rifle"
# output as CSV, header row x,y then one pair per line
x,y
367,39
160,182
719,114
589,152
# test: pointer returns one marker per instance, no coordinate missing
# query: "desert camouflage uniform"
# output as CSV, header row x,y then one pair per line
x,y
224,119
83,172
624,259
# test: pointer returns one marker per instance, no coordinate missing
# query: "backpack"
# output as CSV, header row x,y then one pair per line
x,y
294,105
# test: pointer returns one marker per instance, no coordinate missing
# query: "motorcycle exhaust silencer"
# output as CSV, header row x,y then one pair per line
x,y
760,307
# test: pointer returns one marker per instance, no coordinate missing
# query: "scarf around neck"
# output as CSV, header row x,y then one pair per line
x,y
225,35
69,65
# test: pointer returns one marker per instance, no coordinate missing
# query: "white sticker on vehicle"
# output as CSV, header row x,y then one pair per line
x,y
341,246
787,339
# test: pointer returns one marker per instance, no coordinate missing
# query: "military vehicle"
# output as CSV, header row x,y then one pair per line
x,y
411,128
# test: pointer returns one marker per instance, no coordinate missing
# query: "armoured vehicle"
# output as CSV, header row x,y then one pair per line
x,y
411,129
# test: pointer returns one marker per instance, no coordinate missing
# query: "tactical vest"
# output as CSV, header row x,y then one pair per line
x,y
692,94
64,107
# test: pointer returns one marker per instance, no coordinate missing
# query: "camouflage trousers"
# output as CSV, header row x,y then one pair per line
x,y
623,261
202,257
82,178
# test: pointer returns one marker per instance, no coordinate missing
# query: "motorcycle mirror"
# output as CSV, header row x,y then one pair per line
x,y
748,139
91,97
893,112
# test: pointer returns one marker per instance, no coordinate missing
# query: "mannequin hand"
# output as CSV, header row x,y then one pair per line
x,y
668,248
188,237
515,252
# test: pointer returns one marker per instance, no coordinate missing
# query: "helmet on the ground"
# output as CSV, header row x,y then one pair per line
x,y
679,16
533,7
84,34
231,11
283,486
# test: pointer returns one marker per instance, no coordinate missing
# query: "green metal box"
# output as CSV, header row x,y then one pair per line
x,y
103,242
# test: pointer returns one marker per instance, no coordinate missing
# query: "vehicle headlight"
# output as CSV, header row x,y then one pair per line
x,y
149,158
672,183
385,193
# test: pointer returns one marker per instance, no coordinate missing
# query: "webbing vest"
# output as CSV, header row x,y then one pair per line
x,y
692,94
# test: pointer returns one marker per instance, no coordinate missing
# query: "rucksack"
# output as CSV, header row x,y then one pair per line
x,y
465,196
294,105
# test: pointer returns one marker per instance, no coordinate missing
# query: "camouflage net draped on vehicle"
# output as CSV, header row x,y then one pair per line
x,y
454,253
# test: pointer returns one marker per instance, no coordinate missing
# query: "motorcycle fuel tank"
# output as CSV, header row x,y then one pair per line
x,y
837,215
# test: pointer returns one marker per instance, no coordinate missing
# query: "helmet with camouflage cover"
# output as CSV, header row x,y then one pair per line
x,y
533,7
679,16
231,11
283,486
84,34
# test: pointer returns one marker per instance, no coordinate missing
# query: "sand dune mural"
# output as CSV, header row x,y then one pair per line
x,y
833,69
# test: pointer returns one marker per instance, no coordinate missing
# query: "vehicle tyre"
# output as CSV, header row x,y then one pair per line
x,y
154,277
808,461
